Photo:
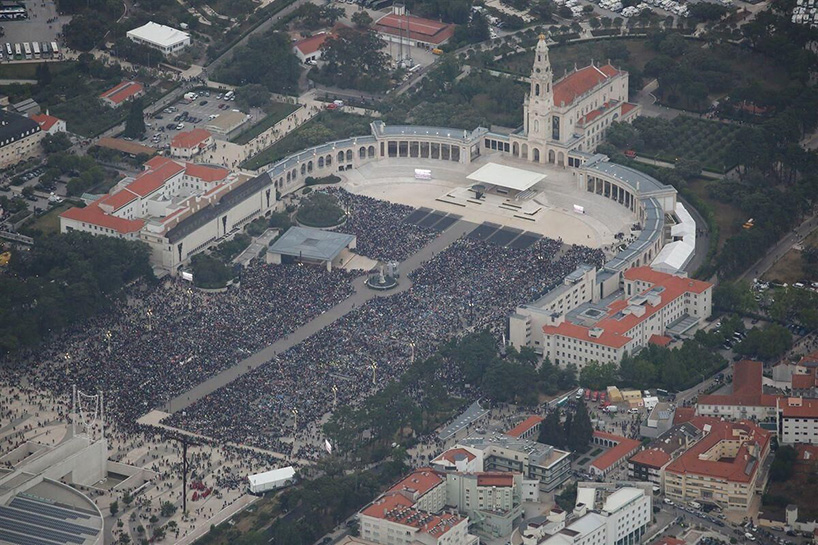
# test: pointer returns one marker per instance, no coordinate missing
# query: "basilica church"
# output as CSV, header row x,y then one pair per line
x,y
572,113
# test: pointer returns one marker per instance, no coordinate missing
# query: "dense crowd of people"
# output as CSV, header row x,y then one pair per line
x,y
379,227
162,341
472,284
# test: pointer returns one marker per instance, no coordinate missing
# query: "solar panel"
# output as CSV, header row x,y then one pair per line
x,y
39,532
45,521
18,539
47,509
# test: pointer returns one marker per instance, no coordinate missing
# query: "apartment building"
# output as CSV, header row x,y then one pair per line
x,y
746,401
797,420
723,467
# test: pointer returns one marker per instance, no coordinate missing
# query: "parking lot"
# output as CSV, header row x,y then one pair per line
x,y
43,25
183,116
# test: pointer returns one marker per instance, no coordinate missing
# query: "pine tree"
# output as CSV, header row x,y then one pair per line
x,y
566,428
551,432
581,429
135,124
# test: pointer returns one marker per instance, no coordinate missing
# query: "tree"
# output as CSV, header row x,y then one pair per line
x,y
253,95
597,376
167,509
581,429
355,59
551,432
114,507
361,19
83,32
43,75
594,22
783,464
54,143
135,123
267,59
28,192
127,497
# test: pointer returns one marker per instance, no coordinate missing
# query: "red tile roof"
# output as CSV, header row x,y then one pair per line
x,y
652,457
626,108
310,45
421,481
580,82
419,29
660,340
190,139
736,469
798,407
94,215
119,199
453,454
206,173
614,326
148,182
747,391
495,478
155,162
524,426
45,121
683,414
398,509
803,382
807,453
122,92
624,448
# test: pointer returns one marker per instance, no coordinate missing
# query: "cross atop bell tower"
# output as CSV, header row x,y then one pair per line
x,y
540,95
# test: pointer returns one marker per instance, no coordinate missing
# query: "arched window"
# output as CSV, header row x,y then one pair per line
x,y
349,155
329,160
537,89
362,153
320,162
536,125
309,166
371,151
303,169
288,177
536,155
340,156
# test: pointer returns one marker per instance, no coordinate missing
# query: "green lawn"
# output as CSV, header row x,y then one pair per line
x,y
46,224
275,113
325,127
28,70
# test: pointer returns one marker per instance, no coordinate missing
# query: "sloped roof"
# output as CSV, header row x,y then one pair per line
x,y
307,243
580,82
190,139
206,173
45,121
417,28
122,92
624,447
524,426
308,46
652,457
148,182
94,215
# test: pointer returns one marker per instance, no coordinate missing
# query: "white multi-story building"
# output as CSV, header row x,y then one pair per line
x,y
621,519
166,39
177,209
652,303
491,500
412,512
797,420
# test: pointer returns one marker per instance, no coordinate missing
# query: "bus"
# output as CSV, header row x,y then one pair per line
x,y
18,52
27,49
35,47
46,51
54,49
12,12
9,50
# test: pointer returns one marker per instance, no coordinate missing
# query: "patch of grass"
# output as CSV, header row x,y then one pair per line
x,y
728,217
46,224
325,127
29,70
584,461
596,452
790,268
275,113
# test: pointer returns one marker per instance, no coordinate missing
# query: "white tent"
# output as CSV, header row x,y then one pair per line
x,y
270,480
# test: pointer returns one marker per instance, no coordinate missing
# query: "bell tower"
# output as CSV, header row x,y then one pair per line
x,y
540,99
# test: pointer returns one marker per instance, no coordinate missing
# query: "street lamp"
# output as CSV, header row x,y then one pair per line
x,y
190,298
149,314
334,395
295,421
374,368
412,346
108,336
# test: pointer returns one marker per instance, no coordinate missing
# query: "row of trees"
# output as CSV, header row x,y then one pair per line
x,y
267,60
656,366
65,279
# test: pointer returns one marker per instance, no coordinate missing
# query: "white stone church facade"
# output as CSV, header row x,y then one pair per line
x,y
571,114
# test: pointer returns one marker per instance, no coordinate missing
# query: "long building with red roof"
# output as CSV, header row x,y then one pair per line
x,y
177,208
747,400
619,450
400,27
724,467
651,303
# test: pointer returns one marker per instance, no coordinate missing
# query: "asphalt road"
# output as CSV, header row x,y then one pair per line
x,y
782,247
